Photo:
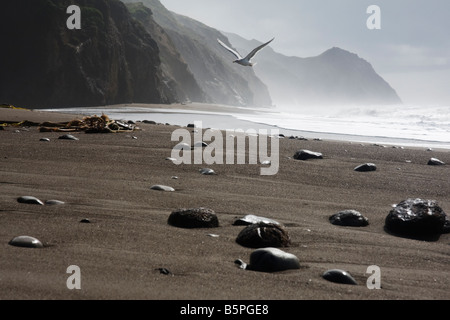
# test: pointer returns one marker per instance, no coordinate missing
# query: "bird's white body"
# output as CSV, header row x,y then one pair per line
x,y
246,61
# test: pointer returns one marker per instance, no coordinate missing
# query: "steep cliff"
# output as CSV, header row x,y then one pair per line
x,y
175,71
222,81
111,59
334,77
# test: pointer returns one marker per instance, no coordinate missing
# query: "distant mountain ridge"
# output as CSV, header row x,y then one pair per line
x,y
334,77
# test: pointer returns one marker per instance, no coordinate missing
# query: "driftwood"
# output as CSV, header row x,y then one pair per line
x,y
91,124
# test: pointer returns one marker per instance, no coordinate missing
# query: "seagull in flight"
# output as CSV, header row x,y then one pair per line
x,y
244,61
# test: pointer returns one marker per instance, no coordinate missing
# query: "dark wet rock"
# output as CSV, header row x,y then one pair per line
x,y
446,228
240,263
159,187
366,167
54,202
165,271
191,125
85,220
306,154
339,276
149,122
262,235
252,219
68,137
30,200
26,241
417,217
194,218
207,171
349,218
435,162
270,260
44,139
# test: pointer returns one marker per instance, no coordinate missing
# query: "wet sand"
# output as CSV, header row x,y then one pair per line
x,y
106,178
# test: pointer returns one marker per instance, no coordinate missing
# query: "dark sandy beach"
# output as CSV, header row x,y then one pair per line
x,y
106,178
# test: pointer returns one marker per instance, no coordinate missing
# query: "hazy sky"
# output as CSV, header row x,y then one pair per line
x,y
411,50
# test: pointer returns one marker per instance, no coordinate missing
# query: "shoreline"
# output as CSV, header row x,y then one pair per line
x,y
227,117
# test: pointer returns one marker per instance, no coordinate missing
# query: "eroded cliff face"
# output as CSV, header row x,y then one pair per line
x,y
221,81
175,71
111,59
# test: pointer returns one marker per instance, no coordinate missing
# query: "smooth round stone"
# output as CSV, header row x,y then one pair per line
x,y
207,172
30,200
307,154
272,260
262,235
366,167
44,139
193,218
68,137
162,188
26,241
349,218
435,162
54,202
339,276
252,219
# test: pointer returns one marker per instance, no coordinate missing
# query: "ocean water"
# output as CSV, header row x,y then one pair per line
x,y
402,125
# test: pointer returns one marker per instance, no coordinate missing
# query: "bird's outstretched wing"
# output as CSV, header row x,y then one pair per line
x,y
254,51
229,49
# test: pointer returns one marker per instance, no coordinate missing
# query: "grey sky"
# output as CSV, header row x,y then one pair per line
x,y
411,51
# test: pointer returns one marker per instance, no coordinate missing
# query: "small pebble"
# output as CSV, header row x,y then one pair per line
x,y
44,139
207,171
162,188
339,276
30,200
26,242
351,218
85,220
435,162
366,167
165,271
68,137
212,235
